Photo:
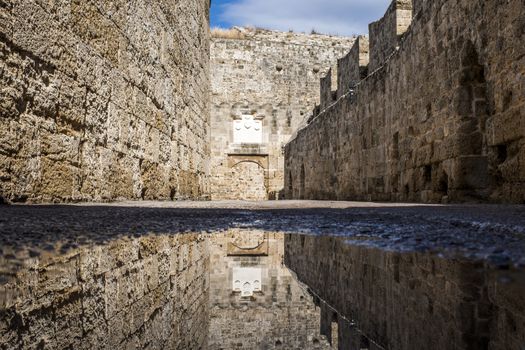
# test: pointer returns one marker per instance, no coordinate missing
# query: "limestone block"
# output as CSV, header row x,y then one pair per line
x,y
57,277
506,126
111,291
68,324
93,305
353,67
151,273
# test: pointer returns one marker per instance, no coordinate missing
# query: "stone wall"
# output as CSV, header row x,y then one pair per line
x,y
143,293
280,315
394,300
328,89
385,33
438,119
353,67
271,78
103,100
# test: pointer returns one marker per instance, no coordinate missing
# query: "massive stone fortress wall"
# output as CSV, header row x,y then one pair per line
x,y
269,78
438,118
103,100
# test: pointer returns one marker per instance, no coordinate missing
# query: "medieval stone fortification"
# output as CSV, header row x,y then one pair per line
x,y
103,100
431,109
106,100
264,85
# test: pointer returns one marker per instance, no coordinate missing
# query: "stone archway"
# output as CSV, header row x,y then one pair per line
x,y
248,181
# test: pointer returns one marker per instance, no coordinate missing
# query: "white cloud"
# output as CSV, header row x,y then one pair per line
x,y
343,17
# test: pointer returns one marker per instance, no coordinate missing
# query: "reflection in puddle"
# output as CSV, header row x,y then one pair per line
x,y
232,290
255,302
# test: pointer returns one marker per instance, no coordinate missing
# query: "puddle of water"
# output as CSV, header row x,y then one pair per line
x,y
255,301
232,290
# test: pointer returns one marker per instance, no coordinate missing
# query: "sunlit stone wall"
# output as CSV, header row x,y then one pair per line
x,y
264,84
104,100
439,117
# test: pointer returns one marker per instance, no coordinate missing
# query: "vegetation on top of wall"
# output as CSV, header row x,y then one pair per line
x,y
221,33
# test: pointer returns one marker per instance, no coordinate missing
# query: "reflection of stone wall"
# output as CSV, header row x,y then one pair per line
x,y
127,288
409,300
142,293
273,77
102,100
281,316
440,120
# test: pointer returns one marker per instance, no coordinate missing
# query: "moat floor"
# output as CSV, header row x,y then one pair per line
x,y
489,232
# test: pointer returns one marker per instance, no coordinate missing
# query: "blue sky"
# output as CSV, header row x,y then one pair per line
x,y
340,17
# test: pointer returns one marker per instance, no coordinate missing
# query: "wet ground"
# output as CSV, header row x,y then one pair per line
x,y
490,232
235,277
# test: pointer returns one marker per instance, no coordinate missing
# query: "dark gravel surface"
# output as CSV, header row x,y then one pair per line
x,y
488,232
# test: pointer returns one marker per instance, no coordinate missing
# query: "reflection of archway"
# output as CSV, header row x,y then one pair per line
x,y
248,180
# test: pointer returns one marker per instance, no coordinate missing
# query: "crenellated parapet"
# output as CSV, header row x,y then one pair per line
x,y
367,54
436,119
386,33
328,88
353,67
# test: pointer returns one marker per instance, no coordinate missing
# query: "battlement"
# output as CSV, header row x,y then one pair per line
x,y
329,88
367,53
430,120
353,67
386,33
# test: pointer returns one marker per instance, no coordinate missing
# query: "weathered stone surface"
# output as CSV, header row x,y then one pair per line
x,y
352,68
385,33
438,119
271,77
103,100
